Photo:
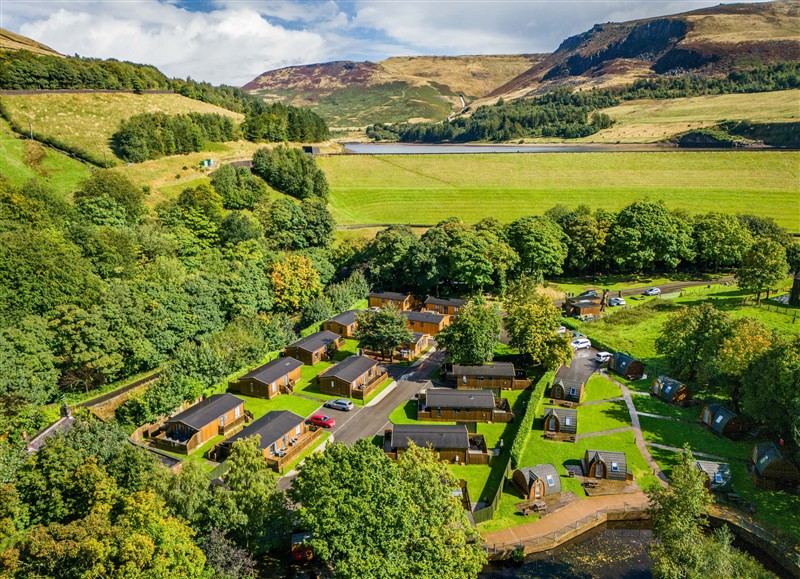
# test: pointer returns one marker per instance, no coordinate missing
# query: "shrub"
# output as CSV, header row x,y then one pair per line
x,y
526,425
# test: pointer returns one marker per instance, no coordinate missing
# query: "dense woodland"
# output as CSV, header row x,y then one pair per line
x,y
569,114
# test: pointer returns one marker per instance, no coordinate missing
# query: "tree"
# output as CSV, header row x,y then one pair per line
x,y
420,529
384,331
237,227
720,240
472,336
763,265
386,255
226,559
294,282
540,244
117,187
691,337
27,362
678,517
532,322
239,188
290,171
747,340
793,258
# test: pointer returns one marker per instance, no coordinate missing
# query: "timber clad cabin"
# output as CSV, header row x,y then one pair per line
x,y
561,420
353,377
281,431
450,405
604,464
582,306
317,347
383,299
724,421
448,307
418,344
670,391
495,375
569,390
452,443
771,471
269,380
426,322
626,366
190,429
344,324
536,482
718,473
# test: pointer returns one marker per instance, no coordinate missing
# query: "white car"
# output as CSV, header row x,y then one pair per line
x,y
374,309
602,357
580,344
561,330
616,302
653,291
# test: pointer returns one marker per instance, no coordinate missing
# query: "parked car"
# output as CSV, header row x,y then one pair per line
x,y
561,330
341,404
589,294
581,343
616,302
374,309
602,357
653,291
322,421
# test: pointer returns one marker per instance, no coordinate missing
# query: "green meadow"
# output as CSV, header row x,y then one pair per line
x,y
424,189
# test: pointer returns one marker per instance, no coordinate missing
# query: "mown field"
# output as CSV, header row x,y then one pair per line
x,y
424,189
84,123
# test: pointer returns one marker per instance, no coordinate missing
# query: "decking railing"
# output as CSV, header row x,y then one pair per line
x,y
553,538
279,462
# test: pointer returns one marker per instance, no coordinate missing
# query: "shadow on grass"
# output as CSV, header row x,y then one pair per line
x,y
409,410
616,411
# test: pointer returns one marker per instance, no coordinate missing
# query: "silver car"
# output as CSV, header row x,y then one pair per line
x,y
341,404
616,302
653,291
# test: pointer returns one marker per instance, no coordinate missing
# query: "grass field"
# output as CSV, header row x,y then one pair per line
x,y
599,388
84,123
605,416
23,160
424,189
699,438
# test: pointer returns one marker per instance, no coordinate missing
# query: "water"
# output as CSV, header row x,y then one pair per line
x,y
413,149
609,552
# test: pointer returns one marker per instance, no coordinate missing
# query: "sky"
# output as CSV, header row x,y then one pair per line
x,y
233,41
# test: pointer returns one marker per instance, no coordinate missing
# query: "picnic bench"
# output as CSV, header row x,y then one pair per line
x,y
591,484
534,507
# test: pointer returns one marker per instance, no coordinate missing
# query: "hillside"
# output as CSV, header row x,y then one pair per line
x,y
355,94
13,41
704,41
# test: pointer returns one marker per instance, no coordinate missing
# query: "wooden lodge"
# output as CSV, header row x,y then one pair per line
x,y
561,420
276,377
344,324
451,405
724,422
452,443
353,377
626,366
283,436
187,431
718,473
317,347
605,464
495,375
448,307
568,390
418,344
671,391
582,306
383,299
537,482
771,471
426,322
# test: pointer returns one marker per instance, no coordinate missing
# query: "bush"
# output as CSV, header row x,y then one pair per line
x,y
290,171
526,425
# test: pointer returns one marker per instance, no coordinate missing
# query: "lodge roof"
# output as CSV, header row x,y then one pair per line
x,y
316,341
622,361
452,398
541,472
278,368
350,368
424,317
712,468
347,318
207,411
389,296
416,337
766,452
457,303
562,414
424,435
271,427
504,369
720,416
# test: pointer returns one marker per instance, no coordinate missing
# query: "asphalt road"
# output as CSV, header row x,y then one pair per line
x,y
581,368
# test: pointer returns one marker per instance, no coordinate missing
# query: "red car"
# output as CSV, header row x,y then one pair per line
x,y
322,421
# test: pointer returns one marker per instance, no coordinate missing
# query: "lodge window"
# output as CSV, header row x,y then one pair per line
x,y
331,384
439,411
251,387
718,478
237,412
479,378
222,420
274,387
456,411
614,467
550,481
463,379
568,421
297,430
573,391
719,419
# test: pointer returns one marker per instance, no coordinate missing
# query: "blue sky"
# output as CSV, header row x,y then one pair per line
x,y
232,41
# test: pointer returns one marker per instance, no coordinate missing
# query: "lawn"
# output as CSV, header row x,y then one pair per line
x,y
653,405
606,416
307,384
368,189
600,388
297,404
614,283
84,122
698,438
23,160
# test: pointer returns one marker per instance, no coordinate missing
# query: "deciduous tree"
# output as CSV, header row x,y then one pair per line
x,y
763,266
385,331
294,282
471,338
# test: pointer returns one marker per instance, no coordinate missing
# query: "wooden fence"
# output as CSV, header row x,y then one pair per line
x,y
487,512
783,310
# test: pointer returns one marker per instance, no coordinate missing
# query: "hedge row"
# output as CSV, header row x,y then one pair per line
x,y
526,426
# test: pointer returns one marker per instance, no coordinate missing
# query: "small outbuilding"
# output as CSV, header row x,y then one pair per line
x,y
354,377
771,471
605,464
317,347
267,381
626,366
449,307
344,324
569,390
671,391
723,421
536,482
429,323
718,473
418,344
383,299
561,420
495,375
582,306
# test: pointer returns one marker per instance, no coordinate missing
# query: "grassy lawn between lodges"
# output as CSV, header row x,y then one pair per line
x,y
653,405
699,439
600,388
376,189
605,416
